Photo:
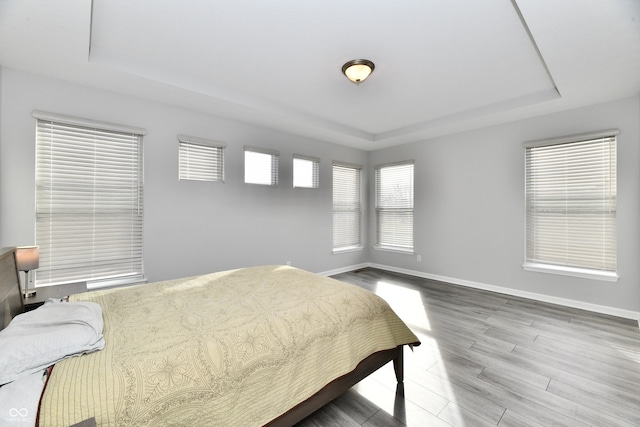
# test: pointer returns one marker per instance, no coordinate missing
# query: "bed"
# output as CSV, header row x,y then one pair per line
x,y
265,345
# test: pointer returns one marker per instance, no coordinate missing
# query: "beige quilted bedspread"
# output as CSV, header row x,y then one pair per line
x,y
235,348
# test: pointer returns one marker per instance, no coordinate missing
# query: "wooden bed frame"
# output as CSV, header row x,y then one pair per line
x,y
11,304
342,384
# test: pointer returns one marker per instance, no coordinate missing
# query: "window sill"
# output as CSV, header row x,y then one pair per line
x,y
115,283
584,273
261,185
347,249
396,249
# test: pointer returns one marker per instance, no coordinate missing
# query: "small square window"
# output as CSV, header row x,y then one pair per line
x,y
261,166
200,159
306,172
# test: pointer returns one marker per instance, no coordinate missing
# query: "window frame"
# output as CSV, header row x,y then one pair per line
x,y
350,244
275,158
534,259
406,207
315,171
96,257
206,156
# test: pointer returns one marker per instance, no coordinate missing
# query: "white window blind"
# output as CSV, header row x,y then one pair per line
x,y
261,166
570,191
89,191
347,206
306,171
394,206
200,159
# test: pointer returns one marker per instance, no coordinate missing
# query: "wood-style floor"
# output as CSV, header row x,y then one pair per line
x,y
490,359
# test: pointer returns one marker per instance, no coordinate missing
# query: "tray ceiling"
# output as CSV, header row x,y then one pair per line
x,y
441,66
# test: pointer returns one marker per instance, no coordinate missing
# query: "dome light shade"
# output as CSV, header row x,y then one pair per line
x,y
358,70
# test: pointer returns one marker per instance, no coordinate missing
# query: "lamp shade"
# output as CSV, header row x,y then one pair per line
x,y
358,70
28,257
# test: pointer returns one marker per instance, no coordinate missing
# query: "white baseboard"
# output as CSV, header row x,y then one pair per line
x,y
344,269
627,314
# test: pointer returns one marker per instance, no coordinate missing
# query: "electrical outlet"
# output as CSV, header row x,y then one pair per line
x,y
419,258
288,262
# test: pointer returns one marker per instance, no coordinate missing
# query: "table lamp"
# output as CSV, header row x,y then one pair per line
x,y
27,259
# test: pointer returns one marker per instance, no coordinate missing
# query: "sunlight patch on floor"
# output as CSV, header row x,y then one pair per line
x,y
407,303
634,356
409,306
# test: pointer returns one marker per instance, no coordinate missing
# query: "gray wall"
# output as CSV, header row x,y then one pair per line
x,y
469,208
469,213
189,227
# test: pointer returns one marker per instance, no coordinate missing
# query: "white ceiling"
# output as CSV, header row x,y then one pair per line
x,y
442,66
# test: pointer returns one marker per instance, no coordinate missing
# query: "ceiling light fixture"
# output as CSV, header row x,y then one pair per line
x,y
358,70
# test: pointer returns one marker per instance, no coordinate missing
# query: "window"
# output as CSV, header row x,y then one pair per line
x,y
570,192
89,191
347,207
200,159
394,207
261,166
306,171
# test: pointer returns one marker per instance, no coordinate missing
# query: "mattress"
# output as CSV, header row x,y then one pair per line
x,y
232,348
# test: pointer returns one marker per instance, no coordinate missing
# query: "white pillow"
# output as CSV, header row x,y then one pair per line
x,y
37,339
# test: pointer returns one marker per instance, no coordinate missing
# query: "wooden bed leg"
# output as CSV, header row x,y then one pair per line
x,y
398,365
